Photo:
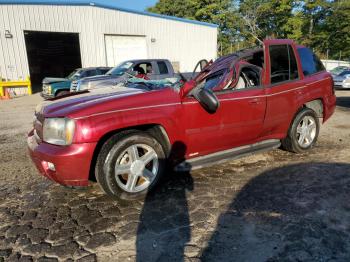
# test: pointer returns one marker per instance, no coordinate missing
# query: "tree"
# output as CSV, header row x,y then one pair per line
x,y
323,25
219,12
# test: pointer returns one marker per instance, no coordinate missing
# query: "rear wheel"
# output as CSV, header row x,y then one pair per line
x,y
303,133
130,165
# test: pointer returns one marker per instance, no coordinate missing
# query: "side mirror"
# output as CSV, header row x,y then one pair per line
x,y
207,99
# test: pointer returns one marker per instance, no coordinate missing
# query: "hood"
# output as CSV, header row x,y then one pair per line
x,y
51,80
72,104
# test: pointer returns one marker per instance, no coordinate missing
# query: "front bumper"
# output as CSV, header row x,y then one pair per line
x,y
46,96
72,163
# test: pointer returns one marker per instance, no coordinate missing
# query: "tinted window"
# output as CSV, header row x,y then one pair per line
x,y
89,73
309,61
283,63
104,71
163,69
213,80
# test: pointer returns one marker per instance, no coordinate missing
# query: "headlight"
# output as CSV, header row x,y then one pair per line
x,y
84,86
47,89
58,131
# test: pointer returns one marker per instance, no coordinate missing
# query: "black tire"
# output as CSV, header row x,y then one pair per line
x,y
290,143
62,93
107,159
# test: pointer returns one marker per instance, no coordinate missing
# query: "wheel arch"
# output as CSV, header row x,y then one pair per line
x,y
155,130
316,105
61,90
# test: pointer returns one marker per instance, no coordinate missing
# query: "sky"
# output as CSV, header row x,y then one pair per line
x,y
139,5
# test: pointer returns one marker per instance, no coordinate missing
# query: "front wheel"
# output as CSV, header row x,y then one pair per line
x,y
303,133
130,164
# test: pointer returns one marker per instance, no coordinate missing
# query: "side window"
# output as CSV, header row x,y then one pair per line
x,y
310,63
163,69
103,71
143,68
213,80
283,64
90,73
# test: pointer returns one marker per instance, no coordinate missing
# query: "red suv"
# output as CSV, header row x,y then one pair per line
x,y
246,102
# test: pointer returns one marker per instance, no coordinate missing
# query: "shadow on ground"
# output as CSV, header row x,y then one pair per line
x,y
295,213
343,101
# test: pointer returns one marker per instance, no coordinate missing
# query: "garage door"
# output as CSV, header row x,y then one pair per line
x,y
121,48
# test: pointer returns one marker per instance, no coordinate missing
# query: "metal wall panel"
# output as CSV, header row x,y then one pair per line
x,y
177,41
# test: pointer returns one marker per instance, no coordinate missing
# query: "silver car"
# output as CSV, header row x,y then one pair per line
x,y
339,79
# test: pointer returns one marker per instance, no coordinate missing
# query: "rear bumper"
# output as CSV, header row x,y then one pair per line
x,y
330,103
72,163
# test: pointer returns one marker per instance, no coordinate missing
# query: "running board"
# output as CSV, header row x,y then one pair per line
x,y
223,156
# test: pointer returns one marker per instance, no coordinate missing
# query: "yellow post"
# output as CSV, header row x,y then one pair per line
x,y
29,85
1,88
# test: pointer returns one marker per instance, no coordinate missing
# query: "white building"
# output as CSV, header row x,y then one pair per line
x,y
52,38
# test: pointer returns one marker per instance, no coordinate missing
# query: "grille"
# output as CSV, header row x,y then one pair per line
x,y
74,86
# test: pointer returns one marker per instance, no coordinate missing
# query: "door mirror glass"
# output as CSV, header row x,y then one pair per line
x,y
207,100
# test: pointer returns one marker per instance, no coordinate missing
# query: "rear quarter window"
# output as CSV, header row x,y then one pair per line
x,y
310,63
163,69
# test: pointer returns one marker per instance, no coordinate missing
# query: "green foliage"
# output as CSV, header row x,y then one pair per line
x,y
323,25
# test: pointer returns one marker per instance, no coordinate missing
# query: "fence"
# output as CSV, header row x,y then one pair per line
x,y
330,64
11,89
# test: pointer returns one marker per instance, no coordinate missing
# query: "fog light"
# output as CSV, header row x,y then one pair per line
x,y
51,166
48,166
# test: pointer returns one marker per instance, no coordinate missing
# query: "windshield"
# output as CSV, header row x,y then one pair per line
x,y
75,74
338,70
120,69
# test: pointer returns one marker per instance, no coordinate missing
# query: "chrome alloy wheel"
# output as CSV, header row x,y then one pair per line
x,y
306,131
136,168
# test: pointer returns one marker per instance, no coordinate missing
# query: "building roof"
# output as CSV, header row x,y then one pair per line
x,y
101,4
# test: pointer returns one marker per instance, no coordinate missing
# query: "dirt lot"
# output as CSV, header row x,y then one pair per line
x,y
268,207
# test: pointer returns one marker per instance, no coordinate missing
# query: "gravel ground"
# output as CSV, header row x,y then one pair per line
x,y
268,207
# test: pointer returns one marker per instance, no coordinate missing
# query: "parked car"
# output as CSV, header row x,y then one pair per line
x,y
337,70
250,101
346,83
145,68
54,87
341,77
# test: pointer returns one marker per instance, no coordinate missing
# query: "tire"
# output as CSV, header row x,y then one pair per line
x,y
62,93
123,168
303,132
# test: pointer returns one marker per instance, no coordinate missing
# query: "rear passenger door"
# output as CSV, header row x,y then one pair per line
x,y
283,86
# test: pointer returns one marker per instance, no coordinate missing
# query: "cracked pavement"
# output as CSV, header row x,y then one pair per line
x,y
267,207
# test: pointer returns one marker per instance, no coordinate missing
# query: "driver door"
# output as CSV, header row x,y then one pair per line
x,y
238,120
